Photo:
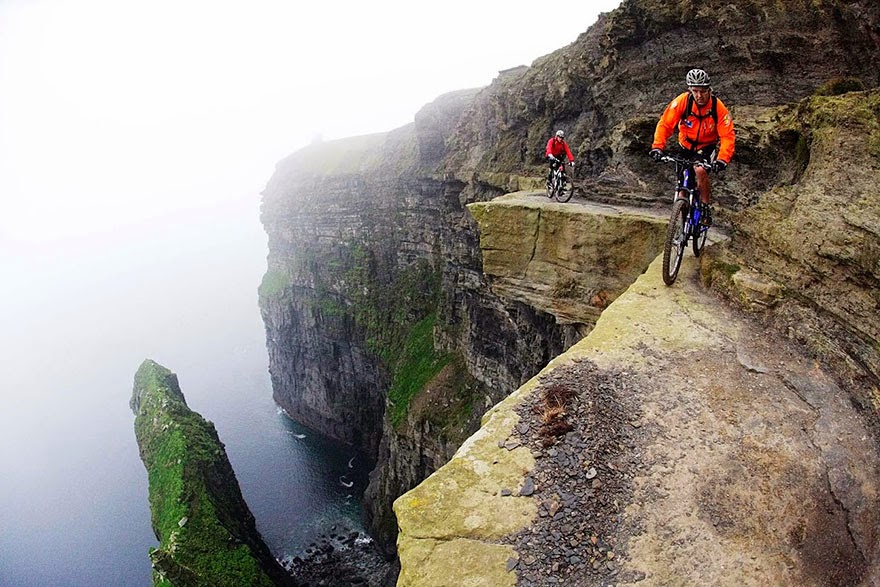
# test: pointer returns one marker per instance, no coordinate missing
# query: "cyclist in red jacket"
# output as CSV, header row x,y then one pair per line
x,y
705,131
556,148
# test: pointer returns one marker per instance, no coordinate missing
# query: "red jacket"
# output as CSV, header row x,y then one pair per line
x,y
557,147
696,131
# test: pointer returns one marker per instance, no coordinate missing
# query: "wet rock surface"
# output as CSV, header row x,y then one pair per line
x,y
342,558
582,428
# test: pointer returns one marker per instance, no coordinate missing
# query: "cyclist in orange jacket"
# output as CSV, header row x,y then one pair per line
x,y
705,131
556,148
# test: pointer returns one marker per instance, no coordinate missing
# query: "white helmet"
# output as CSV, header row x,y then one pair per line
x,y
697,78
560,134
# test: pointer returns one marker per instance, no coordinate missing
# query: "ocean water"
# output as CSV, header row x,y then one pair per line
x,y
76,320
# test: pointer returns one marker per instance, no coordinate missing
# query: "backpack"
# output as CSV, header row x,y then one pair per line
x,y
688,111
713,111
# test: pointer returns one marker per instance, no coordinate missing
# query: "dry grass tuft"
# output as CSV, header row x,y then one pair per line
x,y
552,408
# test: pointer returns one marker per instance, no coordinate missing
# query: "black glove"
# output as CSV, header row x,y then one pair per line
x,y
656,154
719,166
551,157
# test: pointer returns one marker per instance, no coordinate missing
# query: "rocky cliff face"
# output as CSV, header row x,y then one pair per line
x,y
206,532
376,289
607,87
371,256
806,256
679,443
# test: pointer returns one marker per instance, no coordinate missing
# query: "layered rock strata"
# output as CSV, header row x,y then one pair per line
x,y
569,260
360,256
806,256
206,532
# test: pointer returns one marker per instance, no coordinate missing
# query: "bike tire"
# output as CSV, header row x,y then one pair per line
x,y
565,191
550,188
557,186
699,239
676,242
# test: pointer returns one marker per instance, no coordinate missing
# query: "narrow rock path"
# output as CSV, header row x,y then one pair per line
x,y
753,469
677,444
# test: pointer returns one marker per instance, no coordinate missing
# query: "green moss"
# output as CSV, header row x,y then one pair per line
x,y
802,152
717,273
274,283
180,451
395,309
855,113
840,85
451,413
417,364
727,269
387,309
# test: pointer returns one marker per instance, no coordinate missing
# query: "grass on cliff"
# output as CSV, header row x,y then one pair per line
x,y
417,364
273,284
397,310
447,402
179,449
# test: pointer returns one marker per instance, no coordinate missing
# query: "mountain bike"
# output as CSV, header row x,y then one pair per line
x,y
560,186
685,222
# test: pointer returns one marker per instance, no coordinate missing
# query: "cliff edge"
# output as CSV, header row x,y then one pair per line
x,y
388,326
207,534
678,443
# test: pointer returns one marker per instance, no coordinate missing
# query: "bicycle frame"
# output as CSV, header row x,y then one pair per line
x,y
558,180
687,183
559,169
684,224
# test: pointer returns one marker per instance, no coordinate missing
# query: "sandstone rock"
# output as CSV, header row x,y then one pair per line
x,y
569,260
737,460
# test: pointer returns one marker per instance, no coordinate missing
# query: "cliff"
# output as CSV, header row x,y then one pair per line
x,y
206,533
389,327
697,449
813,241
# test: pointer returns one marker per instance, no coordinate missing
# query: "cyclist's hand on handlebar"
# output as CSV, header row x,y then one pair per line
x,y
551,157
656,154
719,166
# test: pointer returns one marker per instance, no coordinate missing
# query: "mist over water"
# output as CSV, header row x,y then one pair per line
x,y
77,320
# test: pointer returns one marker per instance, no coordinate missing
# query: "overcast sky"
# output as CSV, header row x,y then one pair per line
x,y
113,111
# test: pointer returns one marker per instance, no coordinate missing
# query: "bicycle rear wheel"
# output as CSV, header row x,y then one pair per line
x,y
565,191
676,242
699,239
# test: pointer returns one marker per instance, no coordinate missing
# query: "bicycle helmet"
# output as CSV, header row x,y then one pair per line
x,y
560,134
697,78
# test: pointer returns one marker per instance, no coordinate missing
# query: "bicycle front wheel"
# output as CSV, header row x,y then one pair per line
x,y
564,191
551,185
676,242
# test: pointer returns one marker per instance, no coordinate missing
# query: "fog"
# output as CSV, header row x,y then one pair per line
x,y
135,139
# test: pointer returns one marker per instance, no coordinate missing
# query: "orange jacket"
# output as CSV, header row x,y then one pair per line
x,y
694,131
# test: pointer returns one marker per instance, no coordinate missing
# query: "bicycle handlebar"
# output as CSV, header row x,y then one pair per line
x,y
673,159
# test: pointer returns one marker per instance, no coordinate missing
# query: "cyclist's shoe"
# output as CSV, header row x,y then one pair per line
x,y
706,215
